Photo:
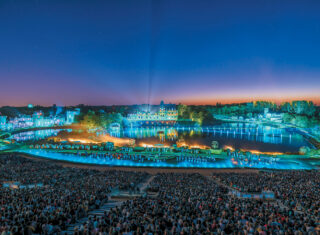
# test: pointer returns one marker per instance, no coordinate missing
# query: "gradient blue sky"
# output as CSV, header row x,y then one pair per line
x,y
104,52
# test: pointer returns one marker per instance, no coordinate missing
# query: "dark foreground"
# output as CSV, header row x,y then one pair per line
x,y
166,201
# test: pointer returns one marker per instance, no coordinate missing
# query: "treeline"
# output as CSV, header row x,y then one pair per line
x,y
253,108
243,109
92,120
12,112
302,121
300,113
197,114
188,115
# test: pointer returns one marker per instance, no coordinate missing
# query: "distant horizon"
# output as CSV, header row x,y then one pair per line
x,y
317,103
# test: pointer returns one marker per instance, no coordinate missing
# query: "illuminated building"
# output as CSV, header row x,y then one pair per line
x,y
162,117
70,115
109,145
59,120
23,121
114,127
3,121
38,120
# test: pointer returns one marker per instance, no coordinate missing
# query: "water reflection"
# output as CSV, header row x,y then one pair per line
x,y
35,135
237,134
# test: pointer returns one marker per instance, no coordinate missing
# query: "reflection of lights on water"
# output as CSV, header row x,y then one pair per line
x,y
34,135
83,141
265,135
227,147
253,151
198,147
259,152
146,145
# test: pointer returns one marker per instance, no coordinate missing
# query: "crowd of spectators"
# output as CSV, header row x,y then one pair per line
x,y
175,203
195,204
299,190
65,195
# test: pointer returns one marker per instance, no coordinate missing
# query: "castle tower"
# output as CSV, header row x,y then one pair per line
x,y
162,109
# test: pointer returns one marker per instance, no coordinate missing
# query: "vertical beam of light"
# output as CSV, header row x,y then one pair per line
x,y
154,31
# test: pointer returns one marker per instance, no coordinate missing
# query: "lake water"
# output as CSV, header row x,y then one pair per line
x,y
35,134
237,135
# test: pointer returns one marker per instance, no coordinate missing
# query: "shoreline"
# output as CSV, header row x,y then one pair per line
x,y
312,141
307,136
150,170
154,170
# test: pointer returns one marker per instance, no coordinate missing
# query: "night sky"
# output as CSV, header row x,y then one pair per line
x,y
131,52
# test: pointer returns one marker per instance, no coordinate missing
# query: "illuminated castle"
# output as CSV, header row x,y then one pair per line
x,y
162,117
38,120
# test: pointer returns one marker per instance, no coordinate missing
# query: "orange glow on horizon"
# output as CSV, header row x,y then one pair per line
x,y
209,98
277,95
214,101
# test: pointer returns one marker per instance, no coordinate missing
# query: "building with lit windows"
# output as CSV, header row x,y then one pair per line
x,y
3,122
38,119
163,116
